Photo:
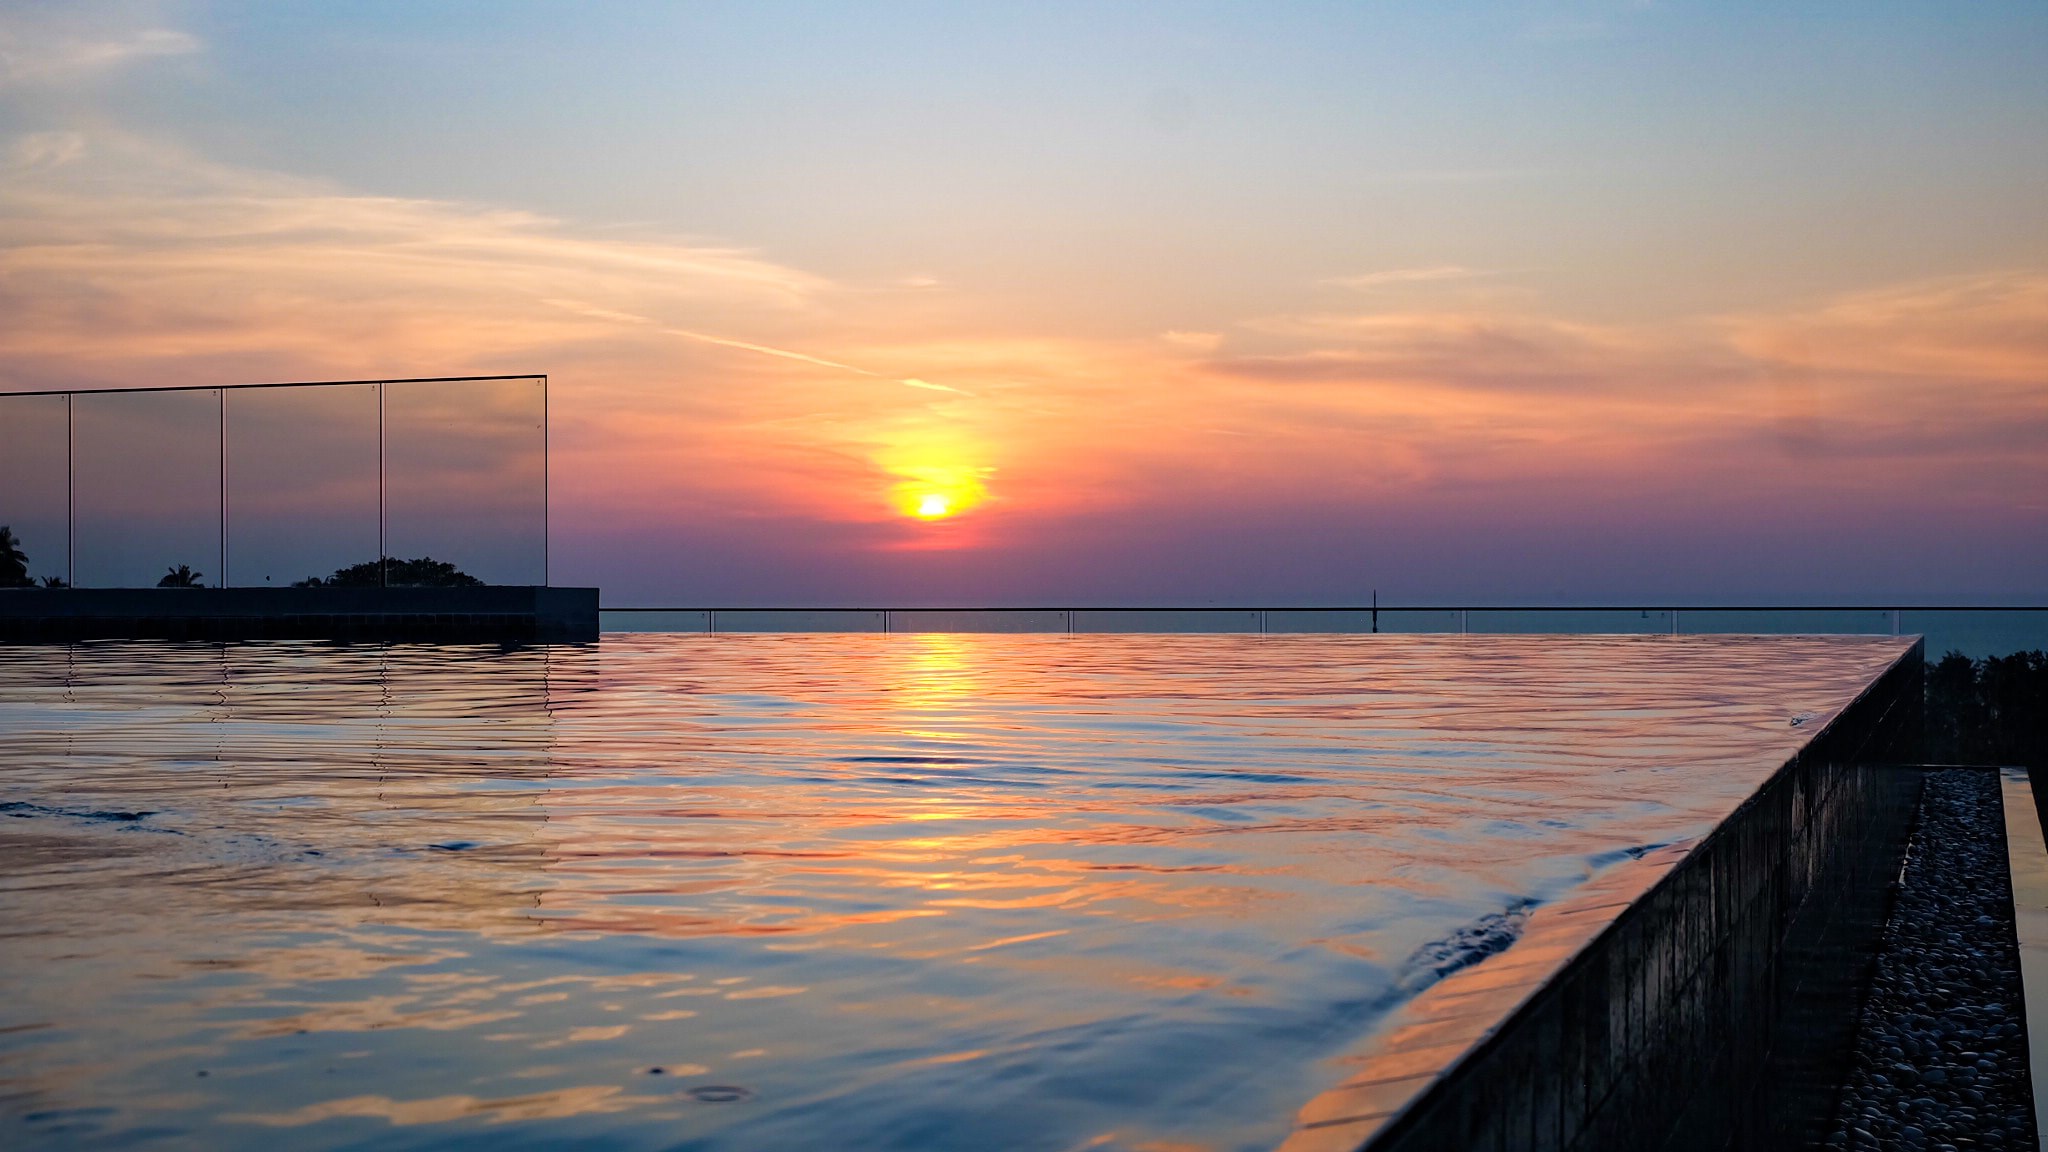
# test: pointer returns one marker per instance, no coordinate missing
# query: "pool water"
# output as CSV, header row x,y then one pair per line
x,y
784,892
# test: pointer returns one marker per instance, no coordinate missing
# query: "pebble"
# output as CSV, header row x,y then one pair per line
x,y
1940,1062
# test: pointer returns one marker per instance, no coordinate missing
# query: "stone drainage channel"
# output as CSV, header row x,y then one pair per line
x,y
1941,1059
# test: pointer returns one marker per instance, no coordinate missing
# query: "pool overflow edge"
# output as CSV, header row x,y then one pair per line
x,y
1717,1008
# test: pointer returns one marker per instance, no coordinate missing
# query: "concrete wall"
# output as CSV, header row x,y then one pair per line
x,y
496,613
1715,1010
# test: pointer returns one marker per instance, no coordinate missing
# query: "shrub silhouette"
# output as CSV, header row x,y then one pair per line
x,y
425,572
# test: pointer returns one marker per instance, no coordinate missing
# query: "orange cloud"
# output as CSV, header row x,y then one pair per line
x,y
700,382
1979,329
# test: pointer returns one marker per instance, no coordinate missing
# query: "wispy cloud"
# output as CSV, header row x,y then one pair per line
x,y
1449,175
1943,382
46,46
766,350
1434,274
114,249
914,382
1986,327
45,150
596,313
1193,341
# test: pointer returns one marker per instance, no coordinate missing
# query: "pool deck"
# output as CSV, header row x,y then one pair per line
x,y
487,614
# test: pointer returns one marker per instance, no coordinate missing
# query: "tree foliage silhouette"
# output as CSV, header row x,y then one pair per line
x,y
182,577
1989,711
13,561
425,572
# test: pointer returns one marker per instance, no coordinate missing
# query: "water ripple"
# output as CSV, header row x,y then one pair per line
x,y
912,891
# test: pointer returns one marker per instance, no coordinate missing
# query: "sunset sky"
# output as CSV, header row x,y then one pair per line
x,y
1048,303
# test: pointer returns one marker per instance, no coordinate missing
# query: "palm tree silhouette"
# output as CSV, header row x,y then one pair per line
x,y
13,561
181,577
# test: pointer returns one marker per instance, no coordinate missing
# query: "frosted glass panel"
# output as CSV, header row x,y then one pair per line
x,y
33,494
147,487
465,477
301,484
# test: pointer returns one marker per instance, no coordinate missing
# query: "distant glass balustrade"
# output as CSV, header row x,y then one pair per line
x,y
465,472
145,488
405,482
302,482
35,489
1976,632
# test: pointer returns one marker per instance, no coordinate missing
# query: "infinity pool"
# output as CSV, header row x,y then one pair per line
x,y
790,892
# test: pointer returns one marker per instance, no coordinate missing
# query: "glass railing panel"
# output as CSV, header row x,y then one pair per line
x,y
798,620
978,620
1584,621
1788,621
1421,620
301,485
1167,620
654,620
1319,620
35,494
465,479
147,495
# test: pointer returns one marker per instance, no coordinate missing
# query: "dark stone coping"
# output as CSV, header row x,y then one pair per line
x,y
1704,996
493,613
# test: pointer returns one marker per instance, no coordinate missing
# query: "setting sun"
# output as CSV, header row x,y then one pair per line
x,y
935,476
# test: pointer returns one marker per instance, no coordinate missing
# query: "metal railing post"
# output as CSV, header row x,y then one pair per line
x,y
546,552
382,385
70,490
222,579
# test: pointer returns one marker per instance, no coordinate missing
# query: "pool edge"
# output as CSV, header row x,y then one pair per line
x,y
2027,860
1663,1023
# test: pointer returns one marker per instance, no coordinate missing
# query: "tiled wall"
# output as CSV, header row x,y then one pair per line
x,y
1712,994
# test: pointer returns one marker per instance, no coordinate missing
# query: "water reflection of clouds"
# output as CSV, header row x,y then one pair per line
x,y
580,1101
886,866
